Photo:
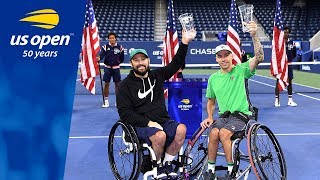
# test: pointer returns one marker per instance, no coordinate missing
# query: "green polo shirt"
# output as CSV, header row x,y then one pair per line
x,y
229,89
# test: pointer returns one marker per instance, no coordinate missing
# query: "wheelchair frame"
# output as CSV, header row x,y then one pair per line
x,y
188,165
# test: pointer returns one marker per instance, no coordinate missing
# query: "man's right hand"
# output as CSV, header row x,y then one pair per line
x,y
206,123
186,38
155,124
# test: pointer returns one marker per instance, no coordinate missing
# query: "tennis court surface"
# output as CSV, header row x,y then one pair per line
x,y
296,128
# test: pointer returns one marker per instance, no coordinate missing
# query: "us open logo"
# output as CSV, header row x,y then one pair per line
x,y
46,19
185,106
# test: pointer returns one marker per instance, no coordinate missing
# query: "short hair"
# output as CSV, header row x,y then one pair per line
x,y
112,33
287,28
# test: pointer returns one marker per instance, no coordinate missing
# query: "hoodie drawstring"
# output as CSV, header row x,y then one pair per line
x,y
152,88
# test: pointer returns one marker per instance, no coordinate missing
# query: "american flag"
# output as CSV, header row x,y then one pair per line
x,y
170,42
233,40
90,47
279,61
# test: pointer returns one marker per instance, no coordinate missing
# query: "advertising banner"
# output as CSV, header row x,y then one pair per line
x,y
198,53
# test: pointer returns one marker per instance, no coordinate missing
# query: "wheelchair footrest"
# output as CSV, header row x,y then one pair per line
x,y
146,164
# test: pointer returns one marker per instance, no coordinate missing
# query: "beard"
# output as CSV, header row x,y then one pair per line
x,y
141,73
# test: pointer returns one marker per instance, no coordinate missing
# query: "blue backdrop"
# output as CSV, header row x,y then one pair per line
x,y
37,73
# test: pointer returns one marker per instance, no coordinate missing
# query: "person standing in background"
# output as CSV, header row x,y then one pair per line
x,y
112,56
291,54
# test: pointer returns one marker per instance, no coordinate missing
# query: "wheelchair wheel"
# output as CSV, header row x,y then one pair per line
x,y
196,151
124,151
265,153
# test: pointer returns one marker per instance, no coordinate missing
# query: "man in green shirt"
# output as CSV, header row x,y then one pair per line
x,y
227,87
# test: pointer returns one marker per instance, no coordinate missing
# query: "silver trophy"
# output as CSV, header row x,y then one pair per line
x,y
246,13
187,23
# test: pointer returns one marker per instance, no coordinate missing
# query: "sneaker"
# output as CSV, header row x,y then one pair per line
x,y
106,103
161,174
208,175
169,170
276,103
292,103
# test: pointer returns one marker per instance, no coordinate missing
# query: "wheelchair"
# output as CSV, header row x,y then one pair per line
x,y
264,155
129,158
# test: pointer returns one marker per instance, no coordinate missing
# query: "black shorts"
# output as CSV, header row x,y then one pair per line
x,y
169,127
108,73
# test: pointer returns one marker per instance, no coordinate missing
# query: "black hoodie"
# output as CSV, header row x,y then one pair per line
x,y
140,100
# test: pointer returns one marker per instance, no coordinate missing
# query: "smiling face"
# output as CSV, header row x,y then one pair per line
x,y
140,64
224,59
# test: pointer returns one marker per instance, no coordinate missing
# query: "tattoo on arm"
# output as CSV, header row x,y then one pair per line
x,y
258,50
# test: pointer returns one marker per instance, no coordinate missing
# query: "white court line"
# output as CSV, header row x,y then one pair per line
x,y
264,83
292,83
89,137
106,137
299,134
317,99
309,96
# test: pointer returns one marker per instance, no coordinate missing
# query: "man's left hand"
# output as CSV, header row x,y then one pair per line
x,y
252,26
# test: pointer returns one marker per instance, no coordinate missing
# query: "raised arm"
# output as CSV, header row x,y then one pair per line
x,y
178,60
258,50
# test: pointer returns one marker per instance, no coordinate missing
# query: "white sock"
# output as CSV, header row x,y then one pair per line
x,y
168,157
230,167
159,162
290,99
212,166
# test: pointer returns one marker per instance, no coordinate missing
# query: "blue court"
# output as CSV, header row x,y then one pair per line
x,y
296,128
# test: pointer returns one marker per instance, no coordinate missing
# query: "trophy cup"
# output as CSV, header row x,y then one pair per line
x,y
246,12
187,23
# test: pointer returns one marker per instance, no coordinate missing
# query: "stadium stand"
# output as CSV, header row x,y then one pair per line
x,y
303,21
208,15
133,20
311,15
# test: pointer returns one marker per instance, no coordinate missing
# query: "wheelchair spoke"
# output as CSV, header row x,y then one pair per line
x,y
268,154
124,156
196,151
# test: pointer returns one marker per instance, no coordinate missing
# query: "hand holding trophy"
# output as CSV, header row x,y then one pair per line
x,y
246,14
252,28
187,23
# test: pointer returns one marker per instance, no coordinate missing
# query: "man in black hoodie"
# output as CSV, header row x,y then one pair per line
x,y
141,103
